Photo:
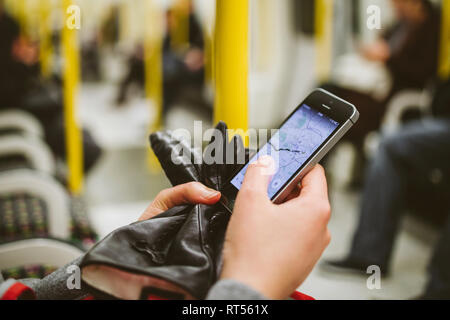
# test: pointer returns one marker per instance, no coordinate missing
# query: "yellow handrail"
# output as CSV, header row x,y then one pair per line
x,y
444,60
153,60
153,42
231,63
71,76
324,37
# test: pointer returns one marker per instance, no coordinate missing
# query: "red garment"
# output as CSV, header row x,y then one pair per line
x,y
300,296
18,291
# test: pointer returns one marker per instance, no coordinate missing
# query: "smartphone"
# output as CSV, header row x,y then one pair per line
x,y
303,139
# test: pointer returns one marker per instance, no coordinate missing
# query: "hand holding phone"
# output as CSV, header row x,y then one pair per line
x,y
303,139
273,248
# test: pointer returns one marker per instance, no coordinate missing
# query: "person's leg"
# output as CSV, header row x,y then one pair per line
x,y
402,160
173,68
439,282
135,75
381,207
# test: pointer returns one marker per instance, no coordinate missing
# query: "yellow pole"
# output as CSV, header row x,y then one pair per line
x,y
153,60
324,37
180,32
153,69
231,61
74,144
45,31
444,62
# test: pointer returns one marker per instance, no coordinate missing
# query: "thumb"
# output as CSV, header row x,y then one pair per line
x,y
189,193
258,175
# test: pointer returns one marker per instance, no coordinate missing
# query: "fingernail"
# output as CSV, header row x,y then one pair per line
x,y
210,193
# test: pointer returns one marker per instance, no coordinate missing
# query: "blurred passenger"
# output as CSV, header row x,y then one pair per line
x,y
181,70
135,75
111,26
21,87
18,60
90,60
399,173
409,50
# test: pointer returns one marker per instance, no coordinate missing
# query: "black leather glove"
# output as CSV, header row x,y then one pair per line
x,y
177,254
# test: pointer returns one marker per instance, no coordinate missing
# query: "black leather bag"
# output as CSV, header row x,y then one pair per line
x,y
176,255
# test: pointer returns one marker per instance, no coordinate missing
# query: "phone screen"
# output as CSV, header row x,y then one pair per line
x,y
292,146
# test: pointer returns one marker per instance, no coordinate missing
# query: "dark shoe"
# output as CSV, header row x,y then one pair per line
x,y
351,265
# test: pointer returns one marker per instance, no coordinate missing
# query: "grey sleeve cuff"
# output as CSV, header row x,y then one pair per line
x,y
54,286
233,290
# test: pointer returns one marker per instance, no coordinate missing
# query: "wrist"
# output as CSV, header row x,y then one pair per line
x,y
256,282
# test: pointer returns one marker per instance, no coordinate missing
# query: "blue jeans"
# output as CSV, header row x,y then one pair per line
x,y
404,160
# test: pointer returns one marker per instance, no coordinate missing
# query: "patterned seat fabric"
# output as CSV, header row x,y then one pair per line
x,y
27,272
23,216
82,233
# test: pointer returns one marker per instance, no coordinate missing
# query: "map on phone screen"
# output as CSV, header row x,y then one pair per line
x,y
296,141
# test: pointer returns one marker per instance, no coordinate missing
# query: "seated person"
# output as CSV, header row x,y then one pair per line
x,y
181,68
18,59
409,50
270,262
404,163
21,87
